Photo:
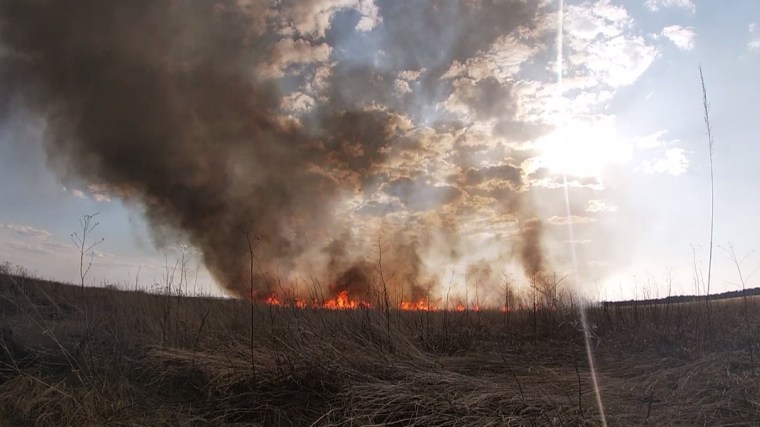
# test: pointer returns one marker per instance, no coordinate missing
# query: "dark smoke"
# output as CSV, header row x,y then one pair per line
x,y
358,281
530,249
161,102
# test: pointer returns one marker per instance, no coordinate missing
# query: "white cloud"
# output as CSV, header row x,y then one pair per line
x,y
101,197
683,37
297,102
410,75
27,231
370,16
97,192
502,61
577,242
400,87
621,60
754,42
655,5
652,140
594,206
604,47
572,219
287,52
604,50
312,18
673,162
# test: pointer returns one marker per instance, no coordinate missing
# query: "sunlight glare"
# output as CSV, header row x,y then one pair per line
x,y
582,149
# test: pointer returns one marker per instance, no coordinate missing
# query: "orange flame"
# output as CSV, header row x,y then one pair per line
x,y
273,300
421,305
343,302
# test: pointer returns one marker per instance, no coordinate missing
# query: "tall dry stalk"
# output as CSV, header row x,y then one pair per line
x,y
381,273
507,300
251,301
710,143
87,225
446,308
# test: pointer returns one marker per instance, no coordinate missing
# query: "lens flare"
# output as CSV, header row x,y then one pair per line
x,y
563,142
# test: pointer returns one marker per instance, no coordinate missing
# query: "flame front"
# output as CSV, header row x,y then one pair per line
x,y
421,305
343,302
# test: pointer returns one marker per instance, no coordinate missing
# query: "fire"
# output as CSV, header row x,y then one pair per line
x,y
421,305
342,301
273,300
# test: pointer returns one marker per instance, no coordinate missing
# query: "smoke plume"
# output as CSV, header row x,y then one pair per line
x,y
271,123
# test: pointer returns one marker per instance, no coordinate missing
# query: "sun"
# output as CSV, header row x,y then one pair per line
x,y
582,149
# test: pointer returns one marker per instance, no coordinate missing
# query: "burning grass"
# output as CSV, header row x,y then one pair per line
x,y
151,359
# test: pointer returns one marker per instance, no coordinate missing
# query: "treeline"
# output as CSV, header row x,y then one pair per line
x,y
685,298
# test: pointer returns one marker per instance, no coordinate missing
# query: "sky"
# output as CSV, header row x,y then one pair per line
x,y
440,129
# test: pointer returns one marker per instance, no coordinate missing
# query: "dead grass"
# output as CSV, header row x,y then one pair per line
x,y
163,360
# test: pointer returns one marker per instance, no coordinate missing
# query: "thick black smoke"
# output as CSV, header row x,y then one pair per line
x,y
163,102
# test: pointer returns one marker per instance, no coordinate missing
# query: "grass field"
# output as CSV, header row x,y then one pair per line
x,y
95,356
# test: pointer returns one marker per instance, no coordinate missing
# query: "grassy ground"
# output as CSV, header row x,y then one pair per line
x,y
110,357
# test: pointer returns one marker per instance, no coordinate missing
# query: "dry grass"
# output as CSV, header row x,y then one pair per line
x,y
164,360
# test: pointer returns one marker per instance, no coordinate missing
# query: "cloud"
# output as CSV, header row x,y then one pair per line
x,y
289,52
594,206
683,37
501,61
616,62
313,18
652,140
34,241
655,5
605,50
673,162
577,242
754,43
101,193
410,75
479,99
27,231
297,102
572,219
97,192
401,87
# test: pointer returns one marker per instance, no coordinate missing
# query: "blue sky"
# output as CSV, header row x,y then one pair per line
x,y
626,128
